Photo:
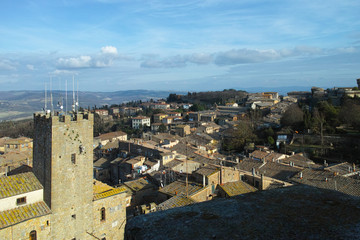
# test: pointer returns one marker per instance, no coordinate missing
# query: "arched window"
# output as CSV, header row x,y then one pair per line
x,y
32,235
102,212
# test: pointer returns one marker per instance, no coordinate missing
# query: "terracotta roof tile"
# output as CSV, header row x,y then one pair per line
x,y
24,213
18,184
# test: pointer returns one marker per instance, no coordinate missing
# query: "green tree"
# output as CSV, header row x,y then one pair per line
x,y
293,117
162,128
271,140
237,138
196,107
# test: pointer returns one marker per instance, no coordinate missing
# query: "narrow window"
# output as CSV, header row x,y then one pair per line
x,y
102,211
73,216
21,201
32,235
73,158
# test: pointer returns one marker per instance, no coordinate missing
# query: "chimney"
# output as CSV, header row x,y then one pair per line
x,y
301,175
204,181
354,168
262,182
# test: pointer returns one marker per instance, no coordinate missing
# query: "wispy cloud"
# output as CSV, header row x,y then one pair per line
x,y
237,56
7,65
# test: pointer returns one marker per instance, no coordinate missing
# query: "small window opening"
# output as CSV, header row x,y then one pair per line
x,y
102,212
21,201
73,158
32,235
73,216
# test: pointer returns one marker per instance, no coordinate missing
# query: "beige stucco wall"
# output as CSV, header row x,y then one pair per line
x,y
115,217
31,197
22,230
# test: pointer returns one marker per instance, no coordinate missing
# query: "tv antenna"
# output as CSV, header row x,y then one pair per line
x,y
66,96
73,104
45,103
51,98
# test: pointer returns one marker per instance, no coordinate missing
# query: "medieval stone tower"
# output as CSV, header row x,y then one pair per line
x,y
63,161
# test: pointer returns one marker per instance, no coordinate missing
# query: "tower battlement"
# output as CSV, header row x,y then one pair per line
x,y
63,118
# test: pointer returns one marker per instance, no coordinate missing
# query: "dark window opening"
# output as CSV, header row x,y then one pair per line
x,y
73,216
32,235
73,158
102,211
21,201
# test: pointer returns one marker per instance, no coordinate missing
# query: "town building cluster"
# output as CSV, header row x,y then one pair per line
x,y
67,184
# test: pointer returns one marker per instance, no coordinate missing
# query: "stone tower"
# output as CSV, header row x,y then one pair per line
x,y
63,163
358,82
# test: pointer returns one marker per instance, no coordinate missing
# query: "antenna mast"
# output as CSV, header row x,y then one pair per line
x,y
73,105
65,96
187,184
77,93
45,104
51,98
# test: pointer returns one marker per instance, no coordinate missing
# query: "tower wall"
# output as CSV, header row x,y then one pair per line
x,y
63,163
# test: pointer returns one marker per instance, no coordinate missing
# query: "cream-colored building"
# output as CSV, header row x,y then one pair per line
x,y
60,199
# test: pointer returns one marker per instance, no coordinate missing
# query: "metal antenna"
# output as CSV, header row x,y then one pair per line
x,y
77,95
66,96
60,103
187,184
73,105
51,98
45,99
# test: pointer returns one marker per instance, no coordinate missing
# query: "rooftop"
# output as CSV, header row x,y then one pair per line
x,y
176,201
139,184
237,188
179,187
24,213
328,180
259,154
296,212
299,160
207,170
102,163
18,184
102,190
343,168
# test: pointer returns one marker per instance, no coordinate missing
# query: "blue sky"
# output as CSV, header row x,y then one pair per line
x,y
186,45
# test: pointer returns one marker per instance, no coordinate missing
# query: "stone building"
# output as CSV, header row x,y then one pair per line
x,y
73,204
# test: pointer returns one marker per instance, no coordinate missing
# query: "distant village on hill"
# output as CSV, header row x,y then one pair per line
x,y
136,158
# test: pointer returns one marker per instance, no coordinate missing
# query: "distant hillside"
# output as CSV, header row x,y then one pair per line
x,y
281,90
15,105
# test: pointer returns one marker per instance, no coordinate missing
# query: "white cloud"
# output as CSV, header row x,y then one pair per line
x,y
109,50
63,72
75,62
30,67
101,60
7,65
